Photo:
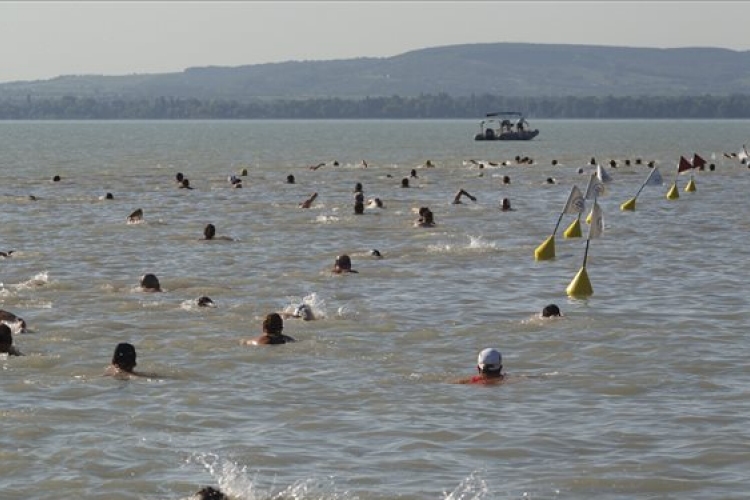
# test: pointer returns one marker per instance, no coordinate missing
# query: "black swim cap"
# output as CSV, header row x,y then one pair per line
x,y
551,310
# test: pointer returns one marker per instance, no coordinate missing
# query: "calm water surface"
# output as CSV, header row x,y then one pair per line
x,y
640,391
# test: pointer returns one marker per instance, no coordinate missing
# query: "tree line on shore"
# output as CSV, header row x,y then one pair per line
x,y
424,106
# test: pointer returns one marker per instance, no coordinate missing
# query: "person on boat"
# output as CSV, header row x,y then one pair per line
x,y
6,341
461,192
343,264
308,202
150,283
489,368
551,311
273,326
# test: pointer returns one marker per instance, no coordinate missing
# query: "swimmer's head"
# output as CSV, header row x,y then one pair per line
x,y
205,301
209,231
376,253
551,310
290,179
342,263
209,493
405,182
56,178
124,357
506,179
6,338
178,177
358,187
489,361
550,180
273,324
150,283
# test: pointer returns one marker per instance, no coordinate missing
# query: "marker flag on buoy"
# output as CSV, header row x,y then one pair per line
x,y
575,205
654,179
690,188
602,174
574,230
594,190
581,287
673,193
682,166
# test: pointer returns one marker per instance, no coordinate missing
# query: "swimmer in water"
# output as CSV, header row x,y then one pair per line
x,y
308,202
551,311
150,283
343,264
210,493
505,206
489,368
375,203
300,311
7,254
209,233
426,218
123,363
462,192
273,326
6,341
205,301
12,321
136,216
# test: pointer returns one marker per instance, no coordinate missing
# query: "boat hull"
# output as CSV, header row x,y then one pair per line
x,y
525,135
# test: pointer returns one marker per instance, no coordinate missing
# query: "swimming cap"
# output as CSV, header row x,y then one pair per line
x,y
490,360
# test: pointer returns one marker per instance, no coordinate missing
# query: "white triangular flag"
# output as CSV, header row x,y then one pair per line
x,y
597,222
595,188
576,203
602,174
654,178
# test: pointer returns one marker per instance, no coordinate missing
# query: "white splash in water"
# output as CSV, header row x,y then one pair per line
x,y
477,242
471,488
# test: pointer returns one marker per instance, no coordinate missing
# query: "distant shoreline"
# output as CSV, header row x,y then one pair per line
x,y
423,107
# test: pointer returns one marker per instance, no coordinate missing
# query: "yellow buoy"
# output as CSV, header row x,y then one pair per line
x,y
628,205
574,230
673,193
588,217
546,250
690,188
580,286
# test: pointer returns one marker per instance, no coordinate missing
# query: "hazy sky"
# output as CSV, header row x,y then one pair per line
x,y
40,40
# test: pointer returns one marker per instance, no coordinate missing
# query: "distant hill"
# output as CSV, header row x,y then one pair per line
x,y
507,69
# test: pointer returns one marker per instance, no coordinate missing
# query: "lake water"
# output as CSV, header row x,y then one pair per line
x,y
640,391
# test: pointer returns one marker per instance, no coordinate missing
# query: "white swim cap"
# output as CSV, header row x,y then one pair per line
x,y
490,360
